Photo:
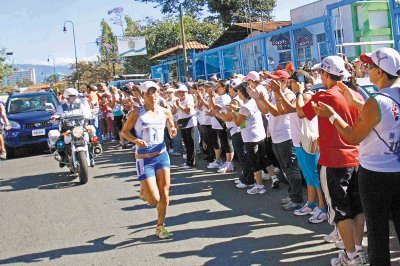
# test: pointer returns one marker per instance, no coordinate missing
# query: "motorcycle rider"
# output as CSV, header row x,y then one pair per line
x,y
72,104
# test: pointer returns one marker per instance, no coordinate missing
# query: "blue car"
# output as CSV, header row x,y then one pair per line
x,y
29,115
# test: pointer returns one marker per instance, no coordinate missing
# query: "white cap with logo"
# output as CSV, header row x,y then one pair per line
x,y
235,82
387,59
145,86
333,65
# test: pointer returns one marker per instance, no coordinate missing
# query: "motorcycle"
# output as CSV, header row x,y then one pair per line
x,y
75,145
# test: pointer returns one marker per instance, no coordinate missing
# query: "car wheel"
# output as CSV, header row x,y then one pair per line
x,y
10,152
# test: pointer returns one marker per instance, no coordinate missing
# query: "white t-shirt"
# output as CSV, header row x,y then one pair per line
x,y
252,129
222,101
186,102
233,128
279,126
206,118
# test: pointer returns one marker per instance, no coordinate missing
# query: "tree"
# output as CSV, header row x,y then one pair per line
x,y
163,34
5,69
229,11
93,72
24,83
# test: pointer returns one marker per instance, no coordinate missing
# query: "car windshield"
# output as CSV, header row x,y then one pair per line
x,y
31,103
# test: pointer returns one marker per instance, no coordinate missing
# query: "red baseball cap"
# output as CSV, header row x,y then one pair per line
x,y
279,74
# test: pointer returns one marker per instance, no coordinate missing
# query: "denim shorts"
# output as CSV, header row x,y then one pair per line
x,y
147,167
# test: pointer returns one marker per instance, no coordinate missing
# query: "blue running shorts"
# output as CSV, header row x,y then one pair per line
x,y
147,167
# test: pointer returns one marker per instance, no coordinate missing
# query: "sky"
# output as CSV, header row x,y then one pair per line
x,y
33,29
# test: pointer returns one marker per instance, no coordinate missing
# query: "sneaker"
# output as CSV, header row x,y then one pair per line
x,y
339,244
227,168
285,200
257,189
275,182
3,155
291,206
333,237
162,233
186,166
242,185
305,210
184,156
237,181
265,176
214,165
342,259
318,216
362,257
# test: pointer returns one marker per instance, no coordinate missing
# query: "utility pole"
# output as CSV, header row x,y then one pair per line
x,y
185,66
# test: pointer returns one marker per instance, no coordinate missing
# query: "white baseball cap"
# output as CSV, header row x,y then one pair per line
x,y
333,65
387,59
235,82
182,87
145,86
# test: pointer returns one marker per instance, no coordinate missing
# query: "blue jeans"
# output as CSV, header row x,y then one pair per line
x,y
177,142
286,156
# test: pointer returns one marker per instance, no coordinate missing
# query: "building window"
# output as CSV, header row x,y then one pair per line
x,y
304,54
285,57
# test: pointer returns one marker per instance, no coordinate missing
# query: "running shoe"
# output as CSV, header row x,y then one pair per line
x,y
228,167
342,259
305,210
162,233
318,216
186,166
242,185
291,206
285,200
214,165
362,257
333,237
237,181
257,189
3,155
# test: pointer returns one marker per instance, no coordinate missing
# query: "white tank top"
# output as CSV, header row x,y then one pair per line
x,y
151,129
252,129
374,155
279,126
230,125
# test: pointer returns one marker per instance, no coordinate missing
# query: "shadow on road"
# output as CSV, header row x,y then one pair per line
x,y
41,181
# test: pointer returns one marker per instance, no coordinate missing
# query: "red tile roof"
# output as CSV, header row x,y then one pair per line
x,y
192,45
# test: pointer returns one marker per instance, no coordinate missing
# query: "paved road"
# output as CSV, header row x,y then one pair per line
x,y
47,218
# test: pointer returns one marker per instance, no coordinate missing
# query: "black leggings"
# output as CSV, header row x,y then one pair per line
x,y
256,154
380,197
219,139
188,140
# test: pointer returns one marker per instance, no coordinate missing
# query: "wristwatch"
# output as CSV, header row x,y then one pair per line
x,y
298,93
332,118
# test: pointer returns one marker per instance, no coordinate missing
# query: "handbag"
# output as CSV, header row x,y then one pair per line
x,y
309,135
183,122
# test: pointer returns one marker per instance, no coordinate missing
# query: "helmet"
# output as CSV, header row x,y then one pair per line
x,y
70,92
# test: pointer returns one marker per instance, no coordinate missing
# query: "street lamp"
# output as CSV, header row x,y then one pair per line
x,y
185,66
54,67
76,57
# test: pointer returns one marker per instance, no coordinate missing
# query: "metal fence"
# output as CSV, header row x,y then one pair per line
x,y
305,43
